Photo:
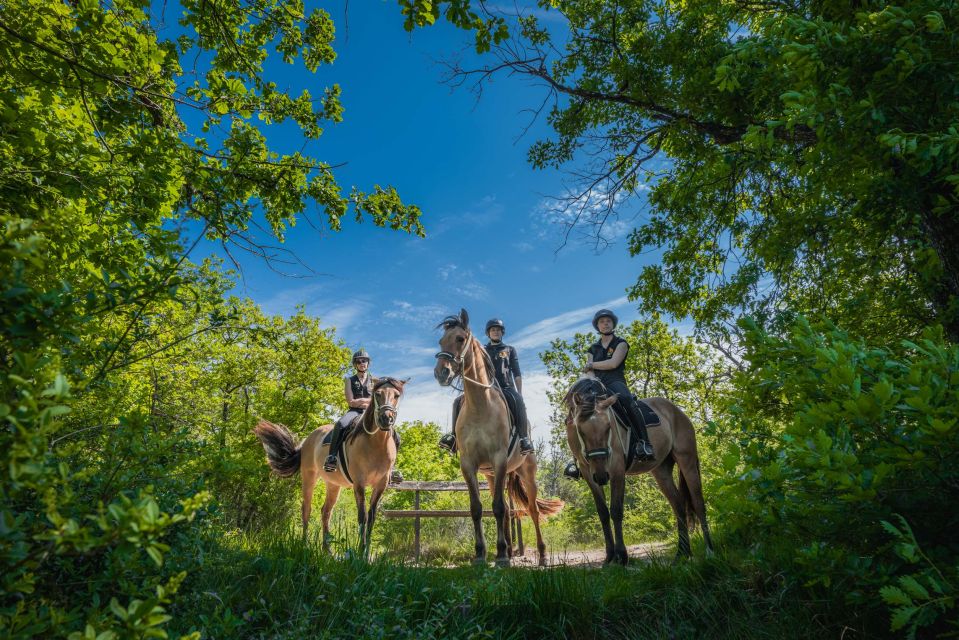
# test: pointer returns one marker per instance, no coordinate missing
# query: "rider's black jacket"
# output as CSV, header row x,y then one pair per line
x,y
505,364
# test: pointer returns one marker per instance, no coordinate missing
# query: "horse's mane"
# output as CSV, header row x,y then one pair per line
x,y
582,396
452,322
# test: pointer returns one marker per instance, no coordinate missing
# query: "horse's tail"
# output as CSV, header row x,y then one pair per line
x,y
687,496
282,449
546,508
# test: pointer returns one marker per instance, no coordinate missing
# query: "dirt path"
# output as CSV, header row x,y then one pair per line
x,y
591,557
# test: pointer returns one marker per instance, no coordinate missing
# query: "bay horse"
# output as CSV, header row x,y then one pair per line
x,y
599,443
369,453
482,438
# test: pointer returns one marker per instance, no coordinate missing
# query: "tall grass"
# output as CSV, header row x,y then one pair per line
x,y
277,586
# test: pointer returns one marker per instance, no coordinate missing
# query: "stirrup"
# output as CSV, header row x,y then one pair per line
x,y
448,442
525,446
644,450
572,471
330,465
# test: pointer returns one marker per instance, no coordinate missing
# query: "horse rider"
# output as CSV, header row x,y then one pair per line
x,y
358,390
510,380
606,360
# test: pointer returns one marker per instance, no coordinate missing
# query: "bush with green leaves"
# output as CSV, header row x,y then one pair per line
x,y
829,437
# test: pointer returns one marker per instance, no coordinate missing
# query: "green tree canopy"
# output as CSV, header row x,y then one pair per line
x,y
801,154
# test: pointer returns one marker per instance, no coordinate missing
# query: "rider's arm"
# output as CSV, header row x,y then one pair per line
x,y
514,368
618,356
588,369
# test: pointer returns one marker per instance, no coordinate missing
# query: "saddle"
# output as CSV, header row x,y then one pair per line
x,y
511,412
650,418
341,449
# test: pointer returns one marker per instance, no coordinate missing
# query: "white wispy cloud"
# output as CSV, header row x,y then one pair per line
x,y
418,314
592,215
563,325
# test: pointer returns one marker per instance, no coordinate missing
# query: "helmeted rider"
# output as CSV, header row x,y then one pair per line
x,y
606,360
358,390
510,379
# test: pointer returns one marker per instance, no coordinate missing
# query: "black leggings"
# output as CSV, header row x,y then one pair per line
x,y
516,405
344,423
627,409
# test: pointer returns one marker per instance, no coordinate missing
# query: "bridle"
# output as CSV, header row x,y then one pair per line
x,y
380,410
461,361
602,452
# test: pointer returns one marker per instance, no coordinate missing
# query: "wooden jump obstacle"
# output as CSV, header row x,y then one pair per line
x,y
416,513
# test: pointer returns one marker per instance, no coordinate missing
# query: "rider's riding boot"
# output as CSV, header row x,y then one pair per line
x,y
448,442
572,471
396,476
522,424
643,448
330,464
525,446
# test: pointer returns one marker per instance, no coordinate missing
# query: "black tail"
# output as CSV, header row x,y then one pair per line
x,y
546,507
282,449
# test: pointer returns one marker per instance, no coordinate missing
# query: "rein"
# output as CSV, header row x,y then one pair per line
x,y
461,361
589,454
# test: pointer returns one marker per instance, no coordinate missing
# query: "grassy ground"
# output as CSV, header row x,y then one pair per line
x,y
275,586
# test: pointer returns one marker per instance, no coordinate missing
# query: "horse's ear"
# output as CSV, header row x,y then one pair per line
x,y
603,405
464,318
405,381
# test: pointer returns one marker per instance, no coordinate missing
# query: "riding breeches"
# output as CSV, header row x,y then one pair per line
x,y
516,406
627,410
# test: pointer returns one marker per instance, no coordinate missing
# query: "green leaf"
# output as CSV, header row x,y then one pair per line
x,y
894,596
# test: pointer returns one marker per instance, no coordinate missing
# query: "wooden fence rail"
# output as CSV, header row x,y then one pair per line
x,y
416,513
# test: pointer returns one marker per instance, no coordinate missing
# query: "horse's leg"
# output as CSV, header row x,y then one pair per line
x,y
599,497
359,492
526,474
664,478
617,498
375,496
693,491
476,508
509,516
332,495
308,478
499,511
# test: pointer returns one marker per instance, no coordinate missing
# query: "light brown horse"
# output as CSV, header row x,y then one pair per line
x,y
599,443
368,453
482,439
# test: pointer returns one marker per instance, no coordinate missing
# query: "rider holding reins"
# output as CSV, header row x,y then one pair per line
x,y
510,380
606,360
358,390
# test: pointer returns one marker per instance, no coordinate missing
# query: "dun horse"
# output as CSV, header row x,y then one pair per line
x,y
599,444
482,438
368,453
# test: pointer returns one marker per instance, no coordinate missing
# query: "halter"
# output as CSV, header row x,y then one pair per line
x,y
461,361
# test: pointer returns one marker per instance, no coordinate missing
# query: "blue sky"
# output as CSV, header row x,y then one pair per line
x,y
492,240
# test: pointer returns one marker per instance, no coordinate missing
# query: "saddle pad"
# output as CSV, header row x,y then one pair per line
x,y
650,417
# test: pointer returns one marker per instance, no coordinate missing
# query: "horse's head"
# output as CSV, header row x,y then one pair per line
x,y
590,424
386,398
454,348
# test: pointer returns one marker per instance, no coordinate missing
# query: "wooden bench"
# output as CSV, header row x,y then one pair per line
x,y
416,513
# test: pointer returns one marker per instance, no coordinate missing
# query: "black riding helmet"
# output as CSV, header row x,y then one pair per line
x,y
495,322
357,355
604,313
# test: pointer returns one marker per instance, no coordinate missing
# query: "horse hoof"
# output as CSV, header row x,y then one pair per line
x,y
503,562
479,562
542,561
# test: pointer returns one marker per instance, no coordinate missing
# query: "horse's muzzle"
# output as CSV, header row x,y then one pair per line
x,y
601,478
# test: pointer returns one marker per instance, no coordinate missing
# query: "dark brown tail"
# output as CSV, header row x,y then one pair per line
x,y
687,495
282,449
546,507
